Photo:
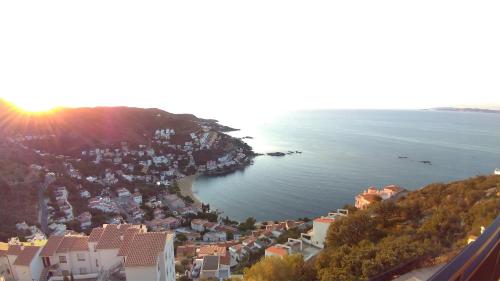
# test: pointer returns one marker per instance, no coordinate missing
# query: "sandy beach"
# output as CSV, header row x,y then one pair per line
x,y
186,187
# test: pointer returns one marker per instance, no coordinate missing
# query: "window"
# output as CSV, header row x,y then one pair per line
x,y
80,256
62,259
83,270
96,263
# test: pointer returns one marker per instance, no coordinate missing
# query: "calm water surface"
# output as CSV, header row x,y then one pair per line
x,y
345,151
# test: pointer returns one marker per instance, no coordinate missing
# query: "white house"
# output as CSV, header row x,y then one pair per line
x,y
108,249
70,254
372,195
198,225
218,236
153,257
212,267
25,262
316,237
292,246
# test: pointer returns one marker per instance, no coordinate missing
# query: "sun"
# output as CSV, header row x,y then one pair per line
x,y
33,106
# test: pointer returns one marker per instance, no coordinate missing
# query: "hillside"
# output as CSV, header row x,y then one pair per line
x,y
18,189
426,227
73,128
431,225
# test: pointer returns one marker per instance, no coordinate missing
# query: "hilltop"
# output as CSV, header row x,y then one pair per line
x,y
467,109
72,129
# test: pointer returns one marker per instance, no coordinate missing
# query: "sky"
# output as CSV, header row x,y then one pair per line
x,y
216,58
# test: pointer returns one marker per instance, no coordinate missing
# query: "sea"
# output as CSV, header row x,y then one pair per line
x,y
346,151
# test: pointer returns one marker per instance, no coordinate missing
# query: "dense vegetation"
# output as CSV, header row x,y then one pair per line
x,y
276,269
432,222
18,190
430,226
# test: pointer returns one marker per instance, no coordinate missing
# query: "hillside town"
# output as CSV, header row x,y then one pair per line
x,y
130,183
133,196
110,203
203,249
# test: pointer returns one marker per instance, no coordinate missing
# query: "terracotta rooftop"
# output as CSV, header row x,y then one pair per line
x,y
127,240
145,248
52,244
212,250
27,255
277,250
96,233
73,244
111,236
324,220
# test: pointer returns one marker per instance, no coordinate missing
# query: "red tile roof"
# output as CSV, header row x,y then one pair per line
x,y
111,236
324,220
96,233
73,244
277,251
27,255
52,244
145,248
127,240
212,250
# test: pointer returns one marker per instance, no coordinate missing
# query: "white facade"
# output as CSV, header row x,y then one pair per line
x,y
105,254
163,270
26,272
316,237
141,273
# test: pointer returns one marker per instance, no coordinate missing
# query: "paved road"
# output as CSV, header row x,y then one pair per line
x,y
43,213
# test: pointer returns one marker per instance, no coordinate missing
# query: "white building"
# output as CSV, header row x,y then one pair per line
x,y
153,257
316,237
111,248
371,195
211,267
218,236
292,246
24,262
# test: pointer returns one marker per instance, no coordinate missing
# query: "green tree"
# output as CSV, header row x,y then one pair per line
x,y
248,224
288,268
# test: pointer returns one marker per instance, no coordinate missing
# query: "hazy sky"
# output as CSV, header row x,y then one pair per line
x,y
214,57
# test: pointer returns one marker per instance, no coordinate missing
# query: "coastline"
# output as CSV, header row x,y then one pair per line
x,y
186,187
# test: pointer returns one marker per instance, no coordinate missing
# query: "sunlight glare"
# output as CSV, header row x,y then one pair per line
x,y
33,105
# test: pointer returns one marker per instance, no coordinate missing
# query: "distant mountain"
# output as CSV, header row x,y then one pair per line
x,y
466,109
74,128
